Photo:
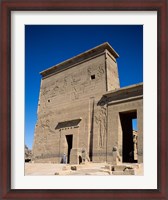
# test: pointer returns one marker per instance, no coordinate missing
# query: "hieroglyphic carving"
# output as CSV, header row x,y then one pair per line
x,y
89,71
97,70
75,93
45,91
75,79
46,126
56,87
62,86
72,84
45,115
100,120
100,71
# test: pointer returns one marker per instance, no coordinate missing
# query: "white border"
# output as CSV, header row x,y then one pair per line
x,y
146,18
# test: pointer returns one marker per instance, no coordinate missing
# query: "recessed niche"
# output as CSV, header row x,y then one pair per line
x,y
92,77
48,100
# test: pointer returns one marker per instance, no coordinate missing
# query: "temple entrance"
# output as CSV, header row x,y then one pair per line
x,y
69,139
129,145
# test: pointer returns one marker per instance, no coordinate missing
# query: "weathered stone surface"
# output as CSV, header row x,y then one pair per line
x,y
118,168
65,168
117,172
28,154
129,172
108,167
82,107
126,172
73,168
39,169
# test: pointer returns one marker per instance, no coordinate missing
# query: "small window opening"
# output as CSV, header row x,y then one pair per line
x,y
92,76
48,100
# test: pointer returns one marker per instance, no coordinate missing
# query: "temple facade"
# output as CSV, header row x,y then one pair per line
x,y
83,110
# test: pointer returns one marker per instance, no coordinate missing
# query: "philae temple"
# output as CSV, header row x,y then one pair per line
x,y
83,111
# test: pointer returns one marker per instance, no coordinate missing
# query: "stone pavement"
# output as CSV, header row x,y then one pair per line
x,y
102,169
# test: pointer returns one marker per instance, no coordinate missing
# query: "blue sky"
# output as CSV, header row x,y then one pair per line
x,y
47,45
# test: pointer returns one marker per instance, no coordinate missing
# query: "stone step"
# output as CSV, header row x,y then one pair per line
x,y
126,172
120,167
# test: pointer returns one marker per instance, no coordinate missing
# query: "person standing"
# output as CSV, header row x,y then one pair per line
x,y
64,159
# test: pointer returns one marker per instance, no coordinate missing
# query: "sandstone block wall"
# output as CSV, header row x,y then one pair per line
x,y
121,111
69,95
73,113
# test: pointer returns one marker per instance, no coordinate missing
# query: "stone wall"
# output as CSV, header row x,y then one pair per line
x,y
72,94
76,109
126,109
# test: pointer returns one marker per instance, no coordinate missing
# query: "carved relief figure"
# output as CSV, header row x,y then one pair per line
x,y
100,71
63,88
97,70
135,141
46,126
75,93
45,91
75,80
56,88
89,71
100,120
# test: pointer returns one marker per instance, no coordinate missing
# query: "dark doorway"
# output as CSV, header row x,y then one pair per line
x,y
69,139
80,159
127,121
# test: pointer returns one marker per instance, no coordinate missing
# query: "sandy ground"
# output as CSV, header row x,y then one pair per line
x,y
50,169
